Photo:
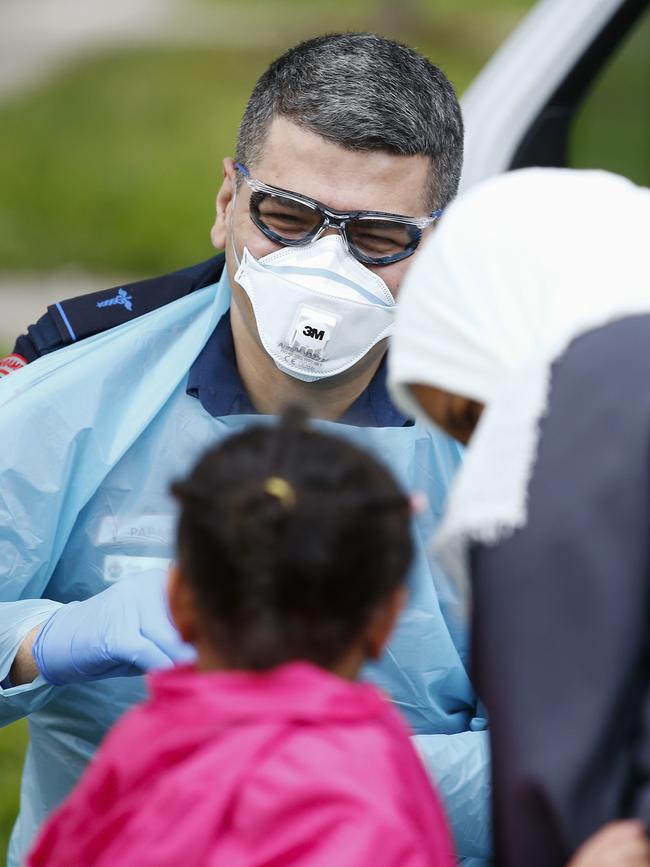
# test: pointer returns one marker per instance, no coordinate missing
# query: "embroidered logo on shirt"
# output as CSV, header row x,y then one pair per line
x,y
122,298
11,362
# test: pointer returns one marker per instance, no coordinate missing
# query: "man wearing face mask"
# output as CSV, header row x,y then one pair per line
x,y
348,150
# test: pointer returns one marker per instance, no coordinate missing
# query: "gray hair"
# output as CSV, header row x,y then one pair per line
x,y
365,93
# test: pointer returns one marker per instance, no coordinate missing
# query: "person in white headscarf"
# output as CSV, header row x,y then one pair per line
x,y
524,331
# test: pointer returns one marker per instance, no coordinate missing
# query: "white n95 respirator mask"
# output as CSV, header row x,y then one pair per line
x,y
318,310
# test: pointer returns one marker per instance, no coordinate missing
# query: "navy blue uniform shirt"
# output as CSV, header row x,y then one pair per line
x,y
214,379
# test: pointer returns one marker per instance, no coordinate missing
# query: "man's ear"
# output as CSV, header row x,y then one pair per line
x,y
182,604
383,622
225,196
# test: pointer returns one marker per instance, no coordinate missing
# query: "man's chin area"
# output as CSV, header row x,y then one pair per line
x,y
365,366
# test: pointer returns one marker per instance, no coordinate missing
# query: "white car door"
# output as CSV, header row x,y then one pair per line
x,y
524,108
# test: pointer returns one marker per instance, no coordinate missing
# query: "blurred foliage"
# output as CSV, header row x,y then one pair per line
x,y
12,748
114,164
612,128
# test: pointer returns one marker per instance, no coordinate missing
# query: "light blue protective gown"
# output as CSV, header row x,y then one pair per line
x,y
92,436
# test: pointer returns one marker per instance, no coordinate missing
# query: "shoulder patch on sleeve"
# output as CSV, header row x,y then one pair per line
x,y
11,362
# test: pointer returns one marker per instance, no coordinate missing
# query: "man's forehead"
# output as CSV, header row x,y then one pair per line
x,y
297,159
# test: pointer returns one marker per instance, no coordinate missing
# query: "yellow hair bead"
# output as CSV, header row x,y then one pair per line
x,y
282,490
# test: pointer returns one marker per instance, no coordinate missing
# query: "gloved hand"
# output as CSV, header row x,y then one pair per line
x,y
125,630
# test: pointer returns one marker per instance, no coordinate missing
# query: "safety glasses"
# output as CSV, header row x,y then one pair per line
x,y
292,220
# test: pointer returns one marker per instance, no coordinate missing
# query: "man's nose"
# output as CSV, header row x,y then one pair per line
x,y
331,230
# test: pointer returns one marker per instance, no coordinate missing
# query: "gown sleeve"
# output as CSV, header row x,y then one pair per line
x,y
560,624
17,619
460,765
59,444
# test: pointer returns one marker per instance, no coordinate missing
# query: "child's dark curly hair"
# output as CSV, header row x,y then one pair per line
x,y
290,538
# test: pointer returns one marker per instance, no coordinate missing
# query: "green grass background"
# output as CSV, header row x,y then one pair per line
x,y
13,740
112,165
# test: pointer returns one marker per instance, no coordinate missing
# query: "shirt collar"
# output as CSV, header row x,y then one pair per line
x,y
215,381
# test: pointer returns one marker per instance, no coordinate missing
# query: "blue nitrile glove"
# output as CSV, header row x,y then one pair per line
x,y
125,630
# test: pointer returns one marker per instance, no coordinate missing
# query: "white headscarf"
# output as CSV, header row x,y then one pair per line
x,y
519,267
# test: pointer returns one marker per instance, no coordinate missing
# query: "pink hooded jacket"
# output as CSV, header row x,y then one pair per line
x,y
290,767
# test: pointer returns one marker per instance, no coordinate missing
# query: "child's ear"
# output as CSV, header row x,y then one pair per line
x,y
383,622
182,604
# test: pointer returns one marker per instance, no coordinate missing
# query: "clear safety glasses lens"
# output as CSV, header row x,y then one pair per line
x,y
371,240
284,219
381,242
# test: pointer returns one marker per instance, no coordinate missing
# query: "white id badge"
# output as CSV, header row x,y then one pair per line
x,y
118,567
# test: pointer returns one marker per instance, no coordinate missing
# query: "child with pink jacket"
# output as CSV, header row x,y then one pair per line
x,y
293,548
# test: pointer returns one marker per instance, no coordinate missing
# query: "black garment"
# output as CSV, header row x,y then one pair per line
x,y
560,633
76,318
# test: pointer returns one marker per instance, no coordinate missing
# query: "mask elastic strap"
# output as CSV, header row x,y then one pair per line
x,y
231,227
